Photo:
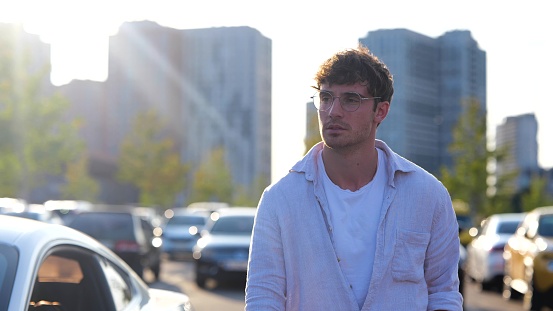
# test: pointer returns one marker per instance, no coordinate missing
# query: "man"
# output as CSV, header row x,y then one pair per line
x,y
353,225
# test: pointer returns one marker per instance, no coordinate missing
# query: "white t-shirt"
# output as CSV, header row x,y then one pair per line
x,y
354,217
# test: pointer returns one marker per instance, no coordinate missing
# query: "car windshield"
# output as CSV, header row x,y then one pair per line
x,y
508,227
186,220
545,227
233,225
105,226
8,263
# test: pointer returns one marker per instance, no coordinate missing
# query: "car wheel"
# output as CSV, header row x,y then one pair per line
x,y
200,281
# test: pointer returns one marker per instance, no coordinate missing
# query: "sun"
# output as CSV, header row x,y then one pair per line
x,y
77,31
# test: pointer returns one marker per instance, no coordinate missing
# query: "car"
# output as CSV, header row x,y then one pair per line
x,y
126,233
180,233
485,264
45,216
53,267
221,253
528,258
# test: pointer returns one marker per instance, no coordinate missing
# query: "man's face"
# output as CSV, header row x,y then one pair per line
x,y
342,129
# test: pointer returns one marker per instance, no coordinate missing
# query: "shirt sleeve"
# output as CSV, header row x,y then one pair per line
x,y
442,261
265,286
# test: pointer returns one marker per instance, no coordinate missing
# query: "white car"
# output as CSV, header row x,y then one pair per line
x,y
52,267
485,263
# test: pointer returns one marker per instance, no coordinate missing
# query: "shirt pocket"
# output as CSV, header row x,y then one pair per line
x,y
409,254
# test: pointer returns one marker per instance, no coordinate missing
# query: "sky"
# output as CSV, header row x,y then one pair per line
x,y
517,37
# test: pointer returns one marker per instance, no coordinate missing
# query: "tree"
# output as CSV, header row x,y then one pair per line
x,y
35,139
536,195
213,180
79,185
467,180
249,196
313,135
149,161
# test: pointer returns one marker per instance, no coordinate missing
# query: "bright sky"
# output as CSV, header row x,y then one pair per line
x,y
516,35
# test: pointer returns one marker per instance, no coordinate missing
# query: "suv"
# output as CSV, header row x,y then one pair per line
x,y
127,234
529,260
221,254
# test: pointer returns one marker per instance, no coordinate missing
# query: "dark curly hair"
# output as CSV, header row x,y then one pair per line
x,y
357,65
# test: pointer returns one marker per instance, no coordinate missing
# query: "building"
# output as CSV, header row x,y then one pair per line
x,y
211,87
433,77
517,137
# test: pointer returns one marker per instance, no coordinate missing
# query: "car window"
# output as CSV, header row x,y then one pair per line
x,y
545,227
8,262
187,220
71,278
105,226
233,225
119,285
507,227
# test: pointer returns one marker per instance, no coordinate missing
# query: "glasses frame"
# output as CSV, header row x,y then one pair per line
x,y
316,97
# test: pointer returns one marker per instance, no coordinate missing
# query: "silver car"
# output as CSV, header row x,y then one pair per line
x,y
52,267
485,263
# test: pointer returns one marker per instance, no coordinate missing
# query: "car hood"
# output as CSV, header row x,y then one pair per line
x,y
165,300
177,231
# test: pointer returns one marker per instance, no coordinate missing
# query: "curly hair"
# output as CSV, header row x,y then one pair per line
x,y
351,66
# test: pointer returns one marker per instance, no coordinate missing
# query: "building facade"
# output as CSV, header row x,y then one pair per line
x,y
433,77
211,87
517,137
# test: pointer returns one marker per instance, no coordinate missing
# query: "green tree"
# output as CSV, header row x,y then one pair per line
x,y
213,180
79,185
467,180
536,195
249,196
312,136
148,160
35,139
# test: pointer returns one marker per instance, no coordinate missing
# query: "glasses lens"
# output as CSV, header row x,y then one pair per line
x,y
322,100
350,101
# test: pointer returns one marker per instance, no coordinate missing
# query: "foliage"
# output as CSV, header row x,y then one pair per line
x,y
79,185
536,195
250,196
149,161
467,180
213,180
313,135
35,140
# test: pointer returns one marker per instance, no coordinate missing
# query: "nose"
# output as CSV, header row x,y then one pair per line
x,y
334,112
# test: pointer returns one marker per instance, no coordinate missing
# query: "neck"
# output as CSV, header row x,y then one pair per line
x,y
350,171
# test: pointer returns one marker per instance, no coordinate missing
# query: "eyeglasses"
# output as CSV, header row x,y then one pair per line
x,y
350,101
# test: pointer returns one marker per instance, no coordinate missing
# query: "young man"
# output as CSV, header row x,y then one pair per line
x,y
353,225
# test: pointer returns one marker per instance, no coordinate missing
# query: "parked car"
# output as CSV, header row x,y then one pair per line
x,y
127,234
485,263
529,260
221,254
180,233
45,216
52,267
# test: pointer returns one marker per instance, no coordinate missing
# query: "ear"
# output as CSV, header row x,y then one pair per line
x,y
381,112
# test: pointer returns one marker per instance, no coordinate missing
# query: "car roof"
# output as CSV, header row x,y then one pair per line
x,y
543,210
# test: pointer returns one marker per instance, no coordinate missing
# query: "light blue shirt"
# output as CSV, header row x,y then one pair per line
x,y
293,264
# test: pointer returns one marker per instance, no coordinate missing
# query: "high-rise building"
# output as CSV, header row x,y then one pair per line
x,y
433,77
211,87
517,137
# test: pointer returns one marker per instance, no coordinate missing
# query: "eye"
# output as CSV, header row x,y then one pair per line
x,y
351,98
325,97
